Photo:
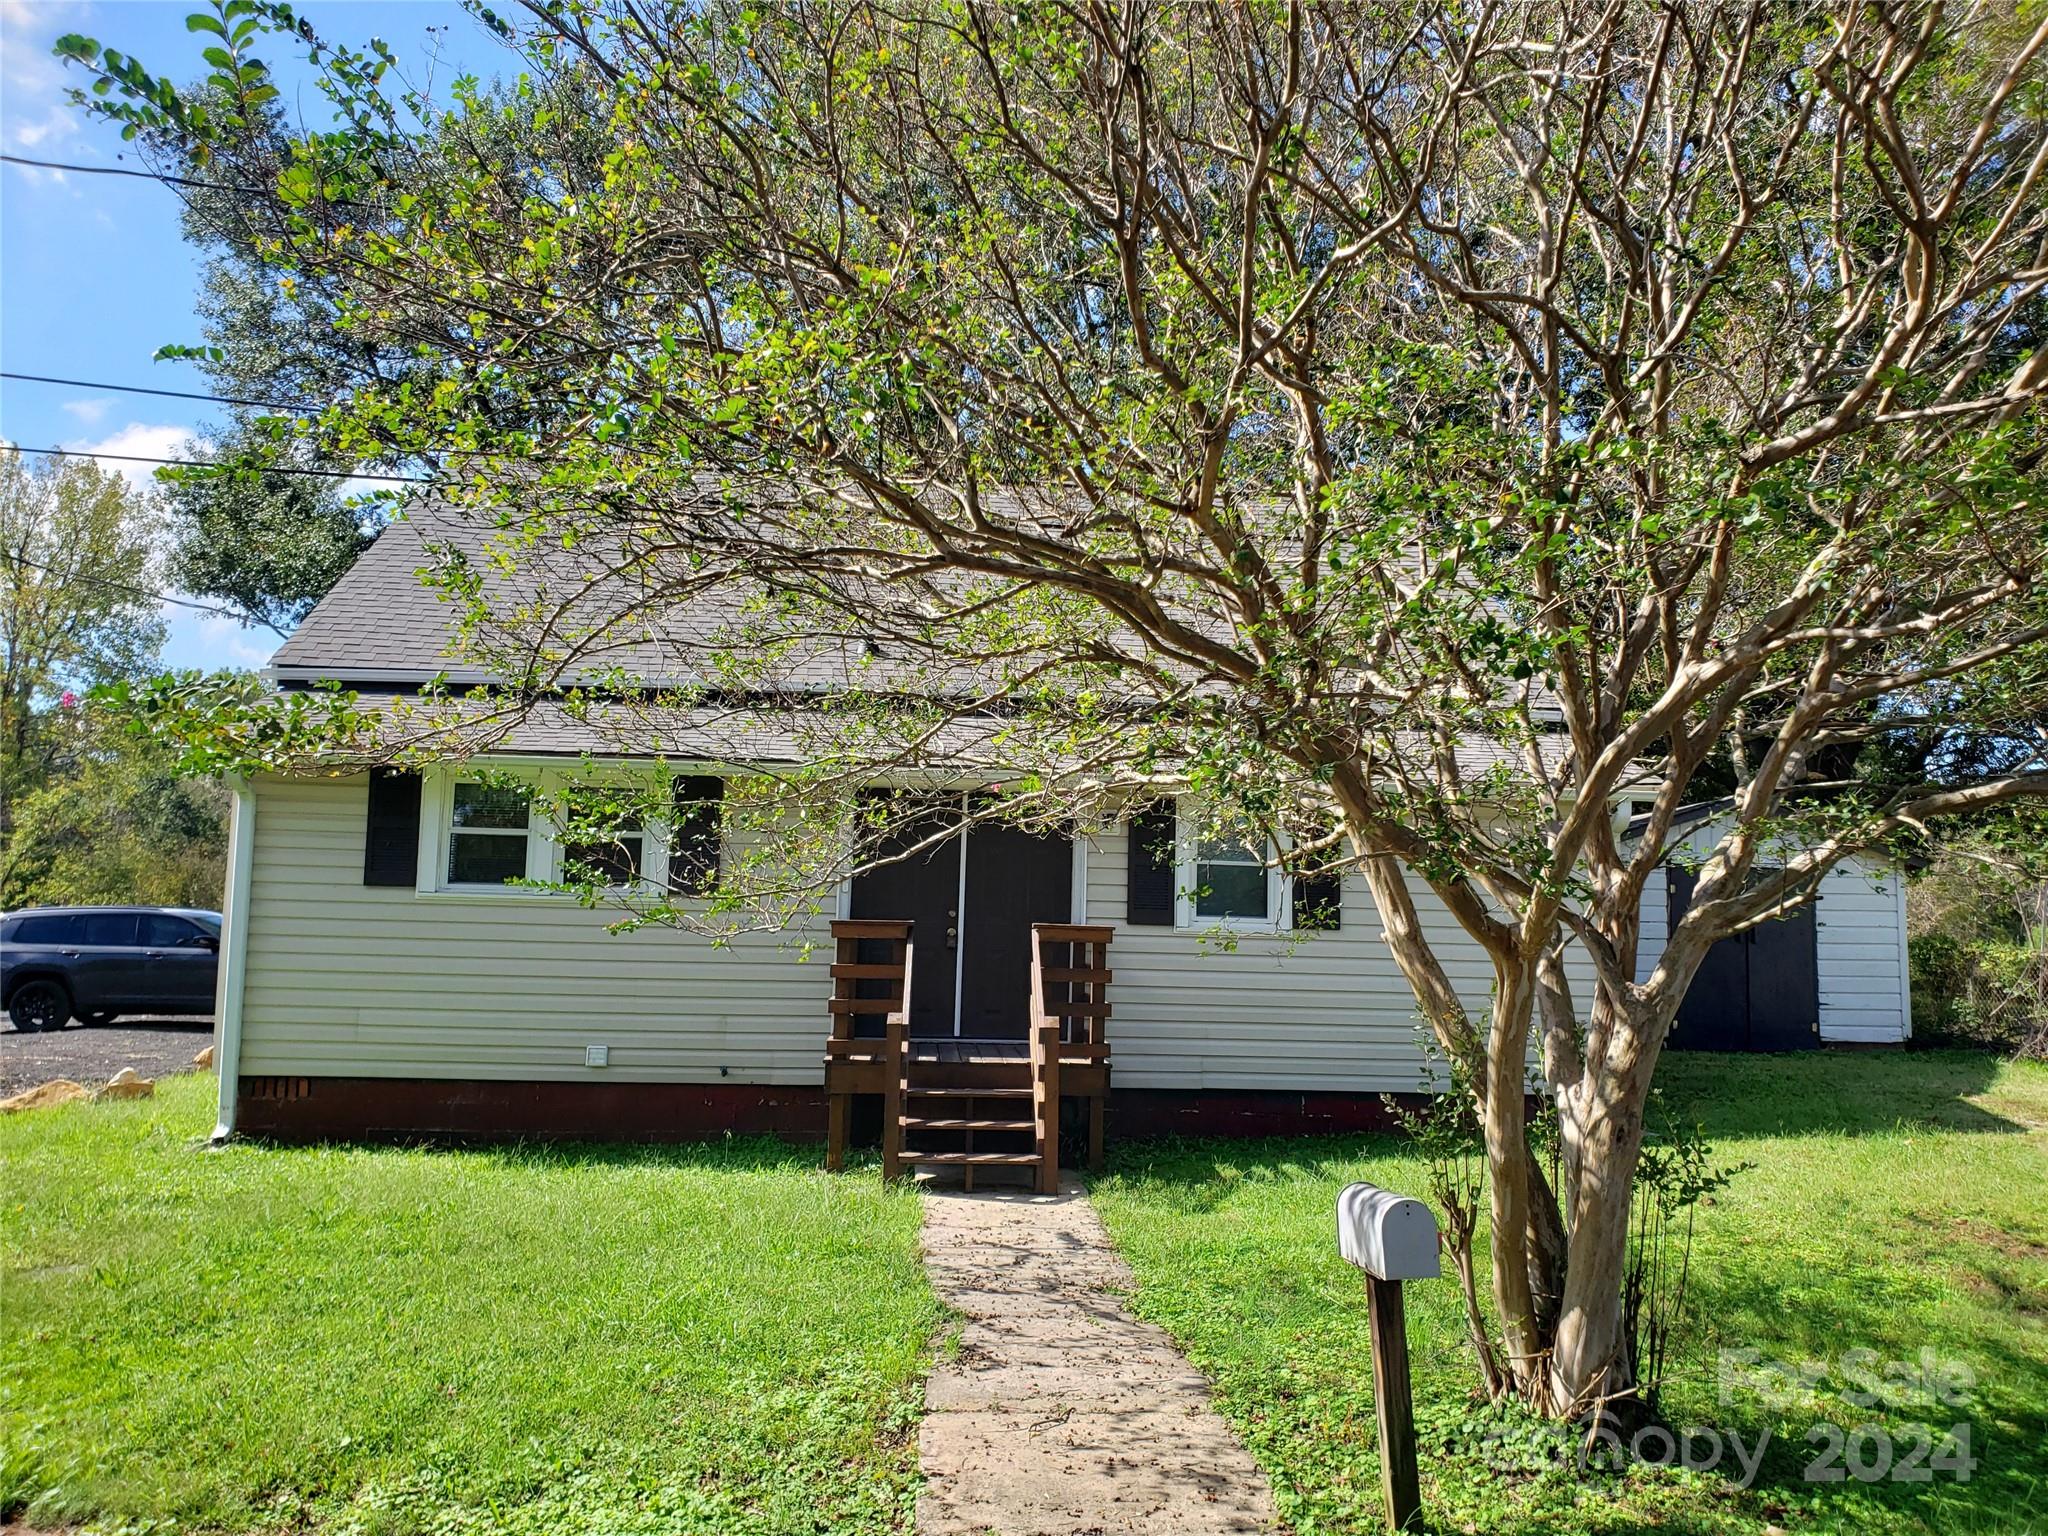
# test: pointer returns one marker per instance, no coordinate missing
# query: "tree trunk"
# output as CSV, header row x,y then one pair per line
x,y
1589,1359
1589,1355
1509,1165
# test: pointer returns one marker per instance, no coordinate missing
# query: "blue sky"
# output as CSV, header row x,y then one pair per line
x,y
93,276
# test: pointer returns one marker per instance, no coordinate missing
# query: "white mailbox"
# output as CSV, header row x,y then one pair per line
x,y
1388,1236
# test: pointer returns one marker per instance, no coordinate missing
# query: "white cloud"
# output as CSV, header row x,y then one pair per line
x,y
88,411
36,114
142,442
59,122
36,176
209,642
33,13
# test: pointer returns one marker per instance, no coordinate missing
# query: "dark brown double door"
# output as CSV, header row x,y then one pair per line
x,y
972,897
1758,991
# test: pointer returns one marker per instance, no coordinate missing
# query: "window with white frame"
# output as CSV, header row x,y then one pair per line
x,y
490,832
608,855
1225,880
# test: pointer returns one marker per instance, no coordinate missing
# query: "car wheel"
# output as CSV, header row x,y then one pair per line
x,y
97,1020
39,1005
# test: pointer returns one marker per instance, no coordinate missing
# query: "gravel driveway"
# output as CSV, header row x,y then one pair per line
x,y
153,1047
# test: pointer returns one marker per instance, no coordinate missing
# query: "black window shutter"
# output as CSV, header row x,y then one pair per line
x,y
695,833
1149,886
1319,901
391,833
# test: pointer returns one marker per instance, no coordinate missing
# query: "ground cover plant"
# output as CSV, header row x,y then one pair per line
x,y
1894,1206
714,1338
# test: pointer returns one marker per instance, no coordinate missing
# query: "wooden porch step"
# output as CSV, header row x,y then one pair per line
x,y
976,1159
968,1093
925,1123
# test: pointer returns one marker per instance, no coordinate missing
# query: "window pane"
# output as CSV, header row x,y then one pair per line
x,y
486,858
1225,850
162,931
482,805
111,930
1230,890
46,930
616,862
696,828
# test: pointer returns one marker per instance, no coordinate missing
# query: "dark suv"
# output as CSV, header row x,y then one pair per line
x,y
95,963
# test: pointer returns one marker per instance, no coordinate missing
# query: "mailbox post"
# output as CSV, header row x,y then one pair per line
x,y
1392,1238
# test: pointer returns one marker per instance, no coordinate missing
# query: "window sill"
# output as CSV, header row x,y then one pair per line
x,y
484,894
1230,925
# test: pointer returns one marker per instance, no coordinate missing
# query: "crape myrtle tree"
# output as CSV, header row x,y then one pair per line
x,y
1417,429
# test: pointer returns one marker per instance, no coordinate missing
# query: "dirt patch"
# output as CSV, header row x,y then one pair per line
x,y
2011,1244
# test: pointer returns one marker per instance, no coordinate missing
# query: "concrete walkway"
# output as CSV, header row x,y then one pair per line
x,y
1061,1414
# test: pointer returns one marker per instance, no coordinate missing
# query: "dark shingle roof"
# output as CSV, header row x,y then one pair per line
x,y
573,616
384,630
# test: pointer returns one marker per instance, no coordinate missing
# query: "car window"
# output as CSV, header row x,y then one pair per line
x,y
106,929
160,930
50,928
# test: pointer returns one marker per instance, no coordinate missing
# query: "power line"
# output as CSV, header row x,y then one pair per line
x,y
261,469
164,177
168,394
150,592
267,405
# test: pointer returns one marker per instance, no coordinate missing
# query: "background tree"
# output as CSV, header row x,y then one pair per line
x,y
271,545
78,607
89,811
1419,431
270,344
113,821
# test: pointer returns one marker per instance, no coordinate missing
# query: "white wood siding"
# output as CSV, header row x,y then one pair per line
x,y
366,981
1865,988
352,980
1304,1012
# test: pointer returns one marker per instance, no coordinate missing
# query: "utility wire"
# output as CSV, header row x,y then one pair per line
x,y
266,405
257,404
150,592
168,394
164,176
261,469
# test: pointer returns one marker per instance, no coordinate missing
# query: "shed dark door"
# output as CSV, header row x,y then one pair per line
x,y
1759,991
1014,878
924,888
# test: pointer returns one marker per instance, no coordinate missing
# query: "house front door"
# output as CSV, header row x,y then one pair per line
x,y
972,898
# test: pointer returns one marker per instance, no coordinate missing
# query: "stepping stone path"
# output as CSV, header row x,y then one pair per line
x,y
1060,1414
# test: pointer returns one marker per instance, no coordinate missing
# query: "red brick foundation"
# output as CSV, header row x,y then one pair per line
x,y
300,1109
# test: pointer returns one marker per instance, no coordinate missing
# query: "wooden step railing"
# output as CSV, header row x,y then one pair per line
x,y
1067,1054
1069,1035
866,1064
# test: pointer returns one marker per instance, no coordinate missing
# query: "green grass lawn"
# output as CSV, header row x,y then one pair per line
x,y
1899,1203
717,1339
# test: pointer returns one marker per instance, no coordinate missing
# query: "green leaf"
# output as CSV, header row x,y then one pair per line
x,y
199,21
